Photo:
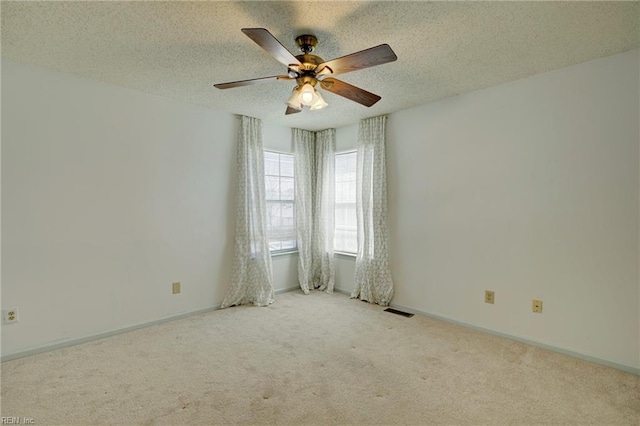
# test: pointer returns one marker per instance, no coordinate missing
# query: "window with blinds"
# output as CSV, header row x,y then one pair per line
x,y
280,192
346,231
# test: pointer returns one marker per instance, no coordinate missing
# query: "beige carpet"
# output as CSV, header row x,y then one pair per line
x,y
315,359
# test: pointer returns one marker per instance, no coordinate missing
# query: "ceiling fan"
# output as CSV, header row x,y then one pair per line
x,y
308,70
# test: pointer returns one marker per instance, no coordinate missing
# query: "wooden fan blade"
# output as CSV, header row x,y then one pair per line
x,y
292,110
348,91
356,61
250,81
271,44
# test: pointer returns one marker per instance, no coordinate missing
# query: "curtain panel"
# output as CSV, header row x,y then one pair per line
x,y
304,165
251,276
373,277
315,199
324,271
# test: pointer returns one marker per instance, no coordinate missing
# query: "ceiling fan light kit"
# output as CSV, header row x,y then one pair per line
x,y
318,103
294,100
306,94
308,70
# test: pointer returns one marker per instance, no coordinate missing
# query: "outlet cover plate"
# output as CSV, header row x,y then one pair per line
x,y
536,306
489,296
10,316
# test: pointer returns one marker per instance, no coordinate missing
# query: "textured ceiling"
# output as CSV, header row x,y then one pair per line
x,y
179,50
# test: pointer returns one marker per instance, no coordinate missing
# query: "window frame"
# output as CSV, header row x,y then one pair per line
x,y
343,252
280,201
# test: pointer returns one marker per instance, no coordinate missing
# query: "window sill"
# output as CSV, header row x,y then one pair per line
x,y
284,253
345,255
342,254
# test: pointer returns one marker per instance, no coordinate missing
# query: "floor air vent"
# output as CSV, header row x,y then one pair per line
x,y
397,312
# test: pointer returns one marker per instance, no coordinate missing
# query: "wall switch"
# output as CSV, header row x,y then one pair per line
x,y
10,316
536,306
488,296
175,288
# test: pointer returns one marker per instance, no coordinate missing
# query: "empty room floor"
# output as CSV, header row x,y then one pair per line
x,y
313,359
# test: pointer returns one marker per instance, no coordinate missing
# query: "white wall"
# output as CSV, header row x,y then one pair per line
x,y
108,196
529,189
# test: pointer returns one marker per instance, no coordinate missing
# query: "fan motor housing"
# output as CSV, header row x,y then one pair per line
x,y
306,42
306,79
309,62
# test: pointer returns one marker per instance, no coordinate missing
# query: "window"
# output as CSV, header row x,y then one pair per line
x,y
346,233
281,216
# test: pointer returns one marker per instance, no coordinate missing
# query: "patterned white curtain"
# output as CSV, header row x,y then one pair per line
x,y
251,277
315,199
304,163
324,272
373,277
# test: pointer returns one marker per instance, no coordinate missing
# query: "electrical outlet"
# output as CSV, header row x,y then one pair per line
x,y
488,296
175,287
10,316
536,306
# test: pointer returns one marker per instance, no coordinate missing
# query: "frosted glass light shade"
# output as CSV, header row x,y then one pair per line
x,y
294,100
307,94
318,102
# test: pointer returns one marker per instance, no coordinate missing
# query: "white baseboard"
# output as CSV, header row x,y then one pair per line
x,y
586,357
86,339
579,355
553,348
339,290
98,336
286,290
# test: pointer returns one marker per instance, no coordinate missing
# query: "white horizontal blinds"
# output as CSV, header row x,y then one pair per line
x,y
280,191
346,231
